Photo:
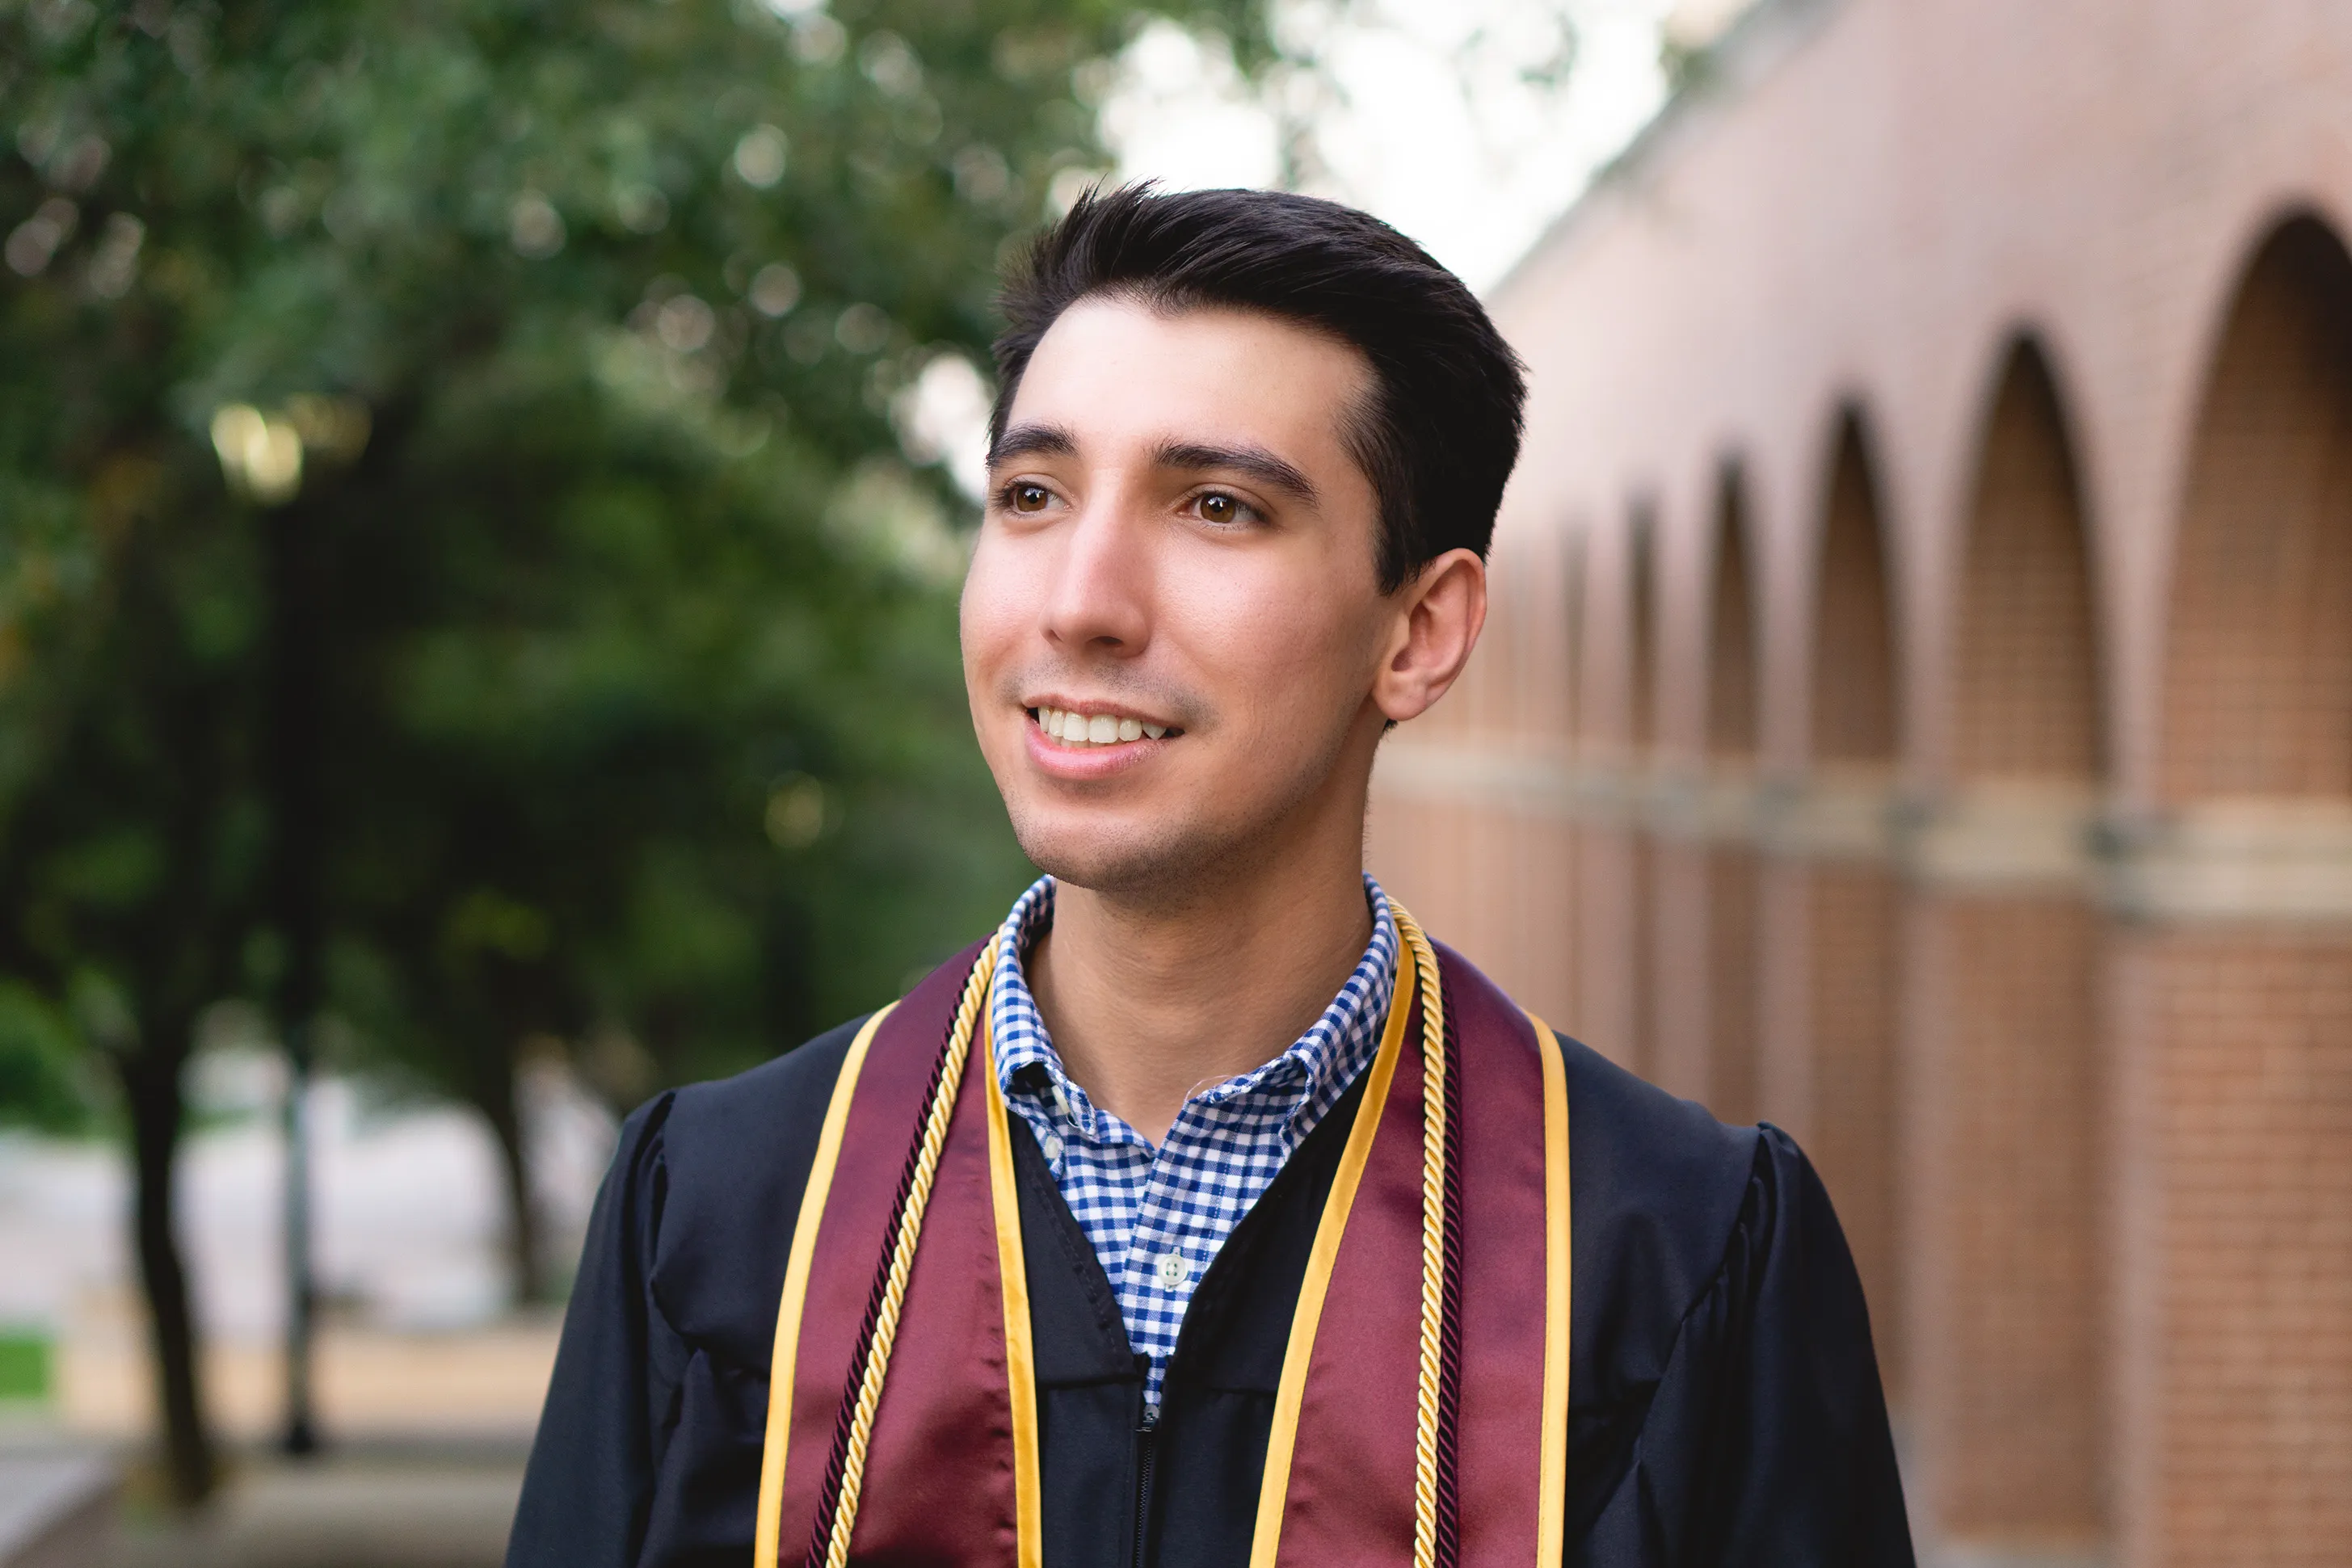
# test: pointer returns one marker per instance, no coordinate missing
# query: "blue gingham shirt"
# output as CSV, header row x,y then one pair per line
x,y
1157,1217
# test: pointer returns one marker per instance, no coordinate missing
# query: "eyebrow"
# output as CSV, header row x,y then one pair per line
x,y
1255,462
1032,441
1186,456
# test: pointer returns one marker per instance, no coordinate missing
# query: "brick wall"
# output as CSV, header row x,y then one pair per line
x,y
1853,917
1991,594
2006,1298
2236,1267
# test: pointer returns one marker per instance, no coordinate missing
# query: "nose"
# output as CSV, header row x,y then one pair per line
x,y
1100,599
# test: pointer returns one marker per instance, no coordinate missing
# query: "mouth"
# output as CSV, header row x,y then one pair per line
x,y
1076,728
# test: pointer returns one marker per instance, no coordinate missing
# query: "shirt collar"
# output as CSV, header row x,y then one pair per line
x,y
1316,1069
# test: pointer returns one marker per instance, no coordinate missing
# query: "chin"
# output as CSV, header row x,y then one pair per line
x,y
1113,857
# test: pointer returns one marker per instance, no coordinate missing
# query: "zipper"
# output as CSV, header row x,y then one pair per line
x,y
1147,1452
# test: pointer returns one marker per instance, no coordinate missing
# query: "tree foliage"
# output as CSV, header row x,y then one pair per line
x,y
551,642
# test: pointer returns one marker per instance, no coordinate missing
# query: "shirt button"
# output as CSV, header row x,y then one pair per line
x,y
1052,1144
1061,1100
1172,1271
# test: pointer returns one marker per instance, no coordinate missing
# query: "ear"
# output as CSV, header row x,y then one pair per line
x,y
1438,615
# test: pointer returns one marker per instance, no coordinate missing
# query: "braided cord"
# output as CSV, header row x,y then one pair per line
x,y
1435,1102
1449,1387
1434,1542
855,1433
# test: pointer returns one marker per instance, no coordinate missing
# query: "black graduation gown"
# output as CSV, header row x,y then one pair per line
x,y
1724,1402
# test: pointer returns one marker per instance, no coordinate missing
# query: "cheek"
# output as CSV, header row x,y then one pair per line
x,y
1277,646
990,609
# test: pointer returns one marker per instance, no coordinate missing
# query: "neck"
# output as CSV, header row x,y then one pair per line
x,y
1150,1000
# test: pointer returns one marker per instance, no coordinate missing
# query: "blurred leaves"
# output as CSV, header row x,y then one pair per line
x,y
459,571
43,1081
568,335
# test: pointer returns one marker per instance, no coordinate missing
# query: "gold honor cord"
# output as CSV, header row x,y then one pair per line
x,y
902,1257
1433,1237
1281,1437
1551,1479
785,1358
1020,1353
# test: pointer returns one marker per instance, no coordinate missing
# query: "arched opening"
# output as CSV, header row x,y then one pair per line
x,y
1854,681
1850,900
2008,1313
1572,636
2028,690
1613,914
1731,630
2240,1162
1642,636
2258,694
1643,910
1730,870
1569,937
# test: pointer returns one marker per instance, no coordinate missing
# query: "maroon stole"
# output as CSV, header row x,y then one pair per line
x,y
951,1473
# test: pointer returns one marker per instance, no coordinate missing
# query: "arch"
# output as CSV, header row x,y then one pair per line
x,y
1832,933
2258,680
2026,675
1642,684
1576,572
1578,617
1642,907
2238,1037
2004,1029
1854,684
1730,871
1731,662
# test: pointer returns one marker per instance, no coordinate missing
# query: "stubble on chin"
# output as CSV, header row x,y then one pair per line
x,y
1178,859
1118,862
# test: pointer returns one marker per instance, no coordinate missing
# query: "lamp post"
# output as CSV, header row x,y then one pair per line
x,y
292,557
262,458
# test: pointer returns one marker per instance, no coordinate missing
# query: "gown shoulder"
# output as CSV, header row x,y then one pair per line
x,y
731,1159
1725,1396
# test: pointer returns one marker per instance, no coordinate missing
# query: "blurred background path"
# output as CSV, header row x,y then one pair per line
x,y
368,1506
428,1382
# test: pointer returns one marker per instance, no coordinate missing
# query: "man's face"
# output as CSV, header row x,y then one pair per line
x,y
1172,620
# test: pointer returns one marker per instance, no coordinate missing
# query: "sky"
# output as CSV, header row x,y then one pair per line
x,y
1449,118
1436,115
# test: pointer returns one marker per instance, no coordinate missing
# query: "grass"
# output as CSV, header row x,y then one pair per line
x,y
27,1373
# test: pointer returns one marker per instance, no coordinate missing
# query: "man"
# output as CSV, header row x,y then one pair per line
x,y
1208,1213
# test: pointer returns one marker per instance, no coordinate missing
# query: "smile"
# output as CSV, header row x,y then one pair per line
x,y
1072,727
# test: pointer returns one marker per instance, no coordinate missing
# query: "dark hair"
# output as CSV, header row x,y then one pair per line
x,y
1439,433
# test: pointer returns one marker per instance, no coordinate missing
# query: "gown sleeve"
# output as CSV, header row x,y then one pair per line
x,y
1765,1442
588,1487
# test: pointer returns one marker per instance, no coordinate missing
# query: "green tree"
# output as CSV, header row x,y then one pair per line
x,y
571,659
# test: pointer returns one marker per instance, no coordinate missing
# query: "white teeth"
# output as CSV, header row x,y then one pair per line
x,y
1073,729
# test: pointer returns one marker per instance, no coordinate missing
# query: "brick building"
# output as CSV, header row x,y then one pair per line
x,y
1917,710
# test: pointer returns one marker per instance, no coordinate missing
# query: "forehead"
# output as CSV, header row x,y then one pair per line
x,y
1114,371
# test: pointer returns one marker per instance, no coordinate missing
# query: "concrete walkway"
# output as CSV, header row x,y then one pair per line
x,y
410,1507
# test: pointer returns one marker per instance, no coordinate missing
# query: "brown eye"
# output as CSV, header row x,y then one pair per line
x,y
1029,498
1216,509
